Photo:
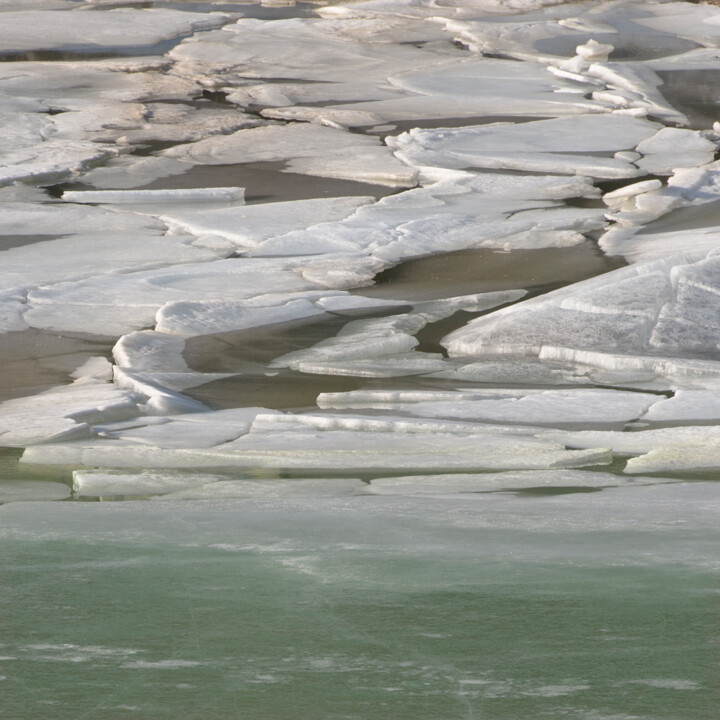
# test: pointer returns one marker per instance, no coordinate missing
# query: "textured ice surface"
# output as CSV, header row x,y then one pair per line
x,y
305,148
64,412
566,146
37,29
663,307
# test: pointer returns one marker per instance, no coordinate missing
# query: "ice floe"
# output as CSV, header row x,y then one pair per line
x,y
564,145
306,148
38,29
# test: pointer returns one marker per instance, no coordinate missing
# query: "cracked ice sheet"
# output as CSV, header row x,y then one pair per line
x,y
64,412
666,306
663,220
83,85
333,451
307,149
35,29
329,51
250,225
118,304
454,210
385,346
468,88
524,407
555,33
139,124
688,449
430,9
565,145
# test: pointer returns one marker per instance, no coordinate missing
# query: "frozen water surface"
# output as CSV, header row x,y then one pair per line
x,y
390,329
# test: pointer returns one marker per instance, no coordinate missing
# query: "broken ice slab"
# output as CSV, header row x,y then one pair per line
x,y
479,90
451,484
189,195
87,256
453,213
64,413
373,338
682,460
117,304
672,148
33,361
249,225
636,310
191,430
307,148
687,191
557,32
52,161
686,406
565,145
38,29
271,445
524,407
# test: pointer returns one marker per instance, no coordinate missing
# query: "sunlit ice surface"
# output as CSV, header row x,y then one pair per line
x,y
359,360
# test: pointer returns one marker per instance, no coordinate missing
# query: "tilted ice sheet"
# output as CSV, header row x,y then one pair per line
x,y
650,308
307,149
64,412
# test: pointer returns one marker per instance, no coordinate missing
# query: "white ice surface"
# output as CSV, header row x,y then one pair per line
x,y
565,145
247,226
35,29
549,407
665,306
271,444
307,149
63,412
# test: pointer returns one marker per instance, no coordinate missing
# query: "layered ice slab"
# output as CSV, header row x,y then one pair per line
x,y
657,317
307,443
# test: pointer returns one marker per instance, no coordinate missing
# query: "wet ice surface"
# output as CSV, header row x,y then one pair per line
x,y
392,332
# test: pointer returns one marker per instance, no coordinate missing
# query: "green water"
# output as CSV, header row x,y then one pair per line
x,y
272,612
